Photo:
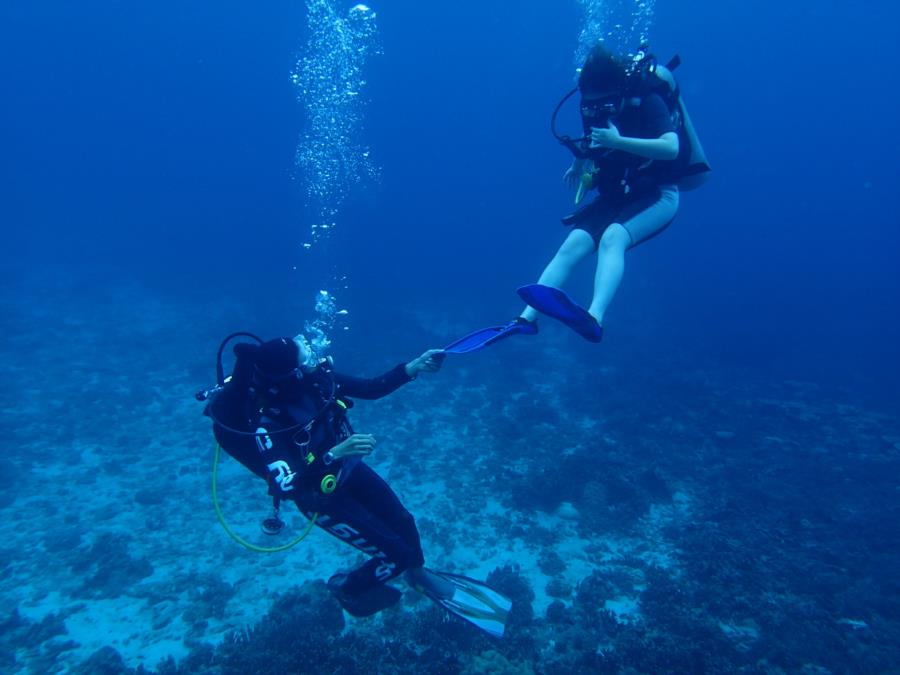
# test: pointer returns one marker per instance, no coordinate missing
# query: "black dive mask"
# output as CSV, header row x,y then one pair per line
x,y
596,112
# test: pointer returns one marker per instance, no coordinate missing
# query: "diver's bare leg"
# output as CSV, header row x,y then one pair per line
x,y
577,246
610,268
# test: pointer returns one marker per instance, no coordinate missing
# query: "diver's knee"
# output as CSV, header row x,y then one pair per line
x,y
406,525
614,238
672,198
576,246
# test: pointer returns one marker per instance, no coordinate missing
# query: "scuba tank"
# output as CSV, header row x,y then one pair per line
x,y
692,166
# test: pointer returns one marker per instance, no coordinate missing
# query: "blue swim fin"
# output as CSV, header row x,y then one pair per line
x,y
556,304
474,601
488,336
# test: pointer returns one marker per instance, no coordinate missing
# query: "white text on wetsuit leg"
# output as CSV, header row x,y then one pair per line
x,y
345,532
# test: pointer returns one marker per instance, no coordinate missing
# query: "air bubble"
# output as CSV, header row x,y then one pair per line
x,y
621,25
331,158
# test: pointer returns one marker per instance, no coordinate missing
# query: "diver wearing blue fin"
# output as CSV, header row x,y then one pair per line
x,y
639,151
469,599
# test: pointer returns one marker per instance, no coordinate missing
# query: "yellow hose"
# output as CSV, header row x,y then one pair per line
x,y
238,539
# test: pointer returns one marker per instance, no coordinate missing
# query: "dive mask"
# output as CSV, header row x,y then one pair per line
x,y
596,111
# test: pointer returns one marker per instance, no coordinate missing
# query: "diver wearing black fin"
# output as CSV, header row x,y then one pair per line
x,y
283,415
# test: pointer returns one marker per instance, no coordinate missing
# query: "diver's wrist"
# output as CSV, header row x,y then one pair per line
x,y
620,143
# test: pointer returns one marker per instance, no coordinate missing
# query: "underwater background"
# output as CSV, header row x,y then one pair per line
x,y
714,488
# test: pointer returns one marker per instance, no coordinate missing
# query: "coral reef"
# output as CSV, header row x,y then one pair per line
x,y
107,569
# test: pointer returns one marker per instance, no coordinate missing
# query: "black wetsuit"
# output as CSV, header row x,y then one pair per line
x,y
286,434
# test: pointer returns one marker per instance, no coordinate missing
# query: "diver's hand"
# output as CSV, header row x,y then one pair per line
x,y
572,176
357,444
429,362
605,138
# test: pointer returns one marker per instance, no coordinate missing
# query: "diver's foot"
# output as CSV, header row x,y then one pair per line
x,y
524,326
598,319
594,332
369,602
556,304
426,581
487,336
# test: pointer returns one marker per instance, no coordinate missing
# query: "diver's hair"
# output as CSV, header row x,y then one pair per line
x,y
602,72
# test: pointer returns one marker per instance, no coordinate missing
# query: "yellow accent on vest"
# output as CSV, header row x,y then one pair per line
x,y
328,484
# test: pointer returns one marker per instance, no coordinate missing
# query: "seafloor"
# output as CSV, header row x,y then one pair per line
x,y
679,519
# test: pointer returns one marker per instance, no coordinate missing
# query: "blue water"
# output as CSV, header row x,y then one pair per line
x,y
150,204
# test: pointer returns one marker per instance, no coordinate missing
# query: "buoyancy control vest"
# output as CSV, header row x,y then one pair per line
x,y
690,168
301,424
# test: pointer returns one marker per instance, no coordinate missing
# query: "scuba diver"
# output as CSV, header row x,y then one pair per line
x,y
638,150
283,415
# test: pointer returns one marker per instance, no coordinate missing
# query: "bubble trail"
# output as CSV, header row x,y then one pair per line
x,y
622,25
332,157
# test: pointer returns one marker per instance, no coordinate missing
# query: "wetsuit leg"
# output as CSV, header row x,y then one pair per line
x,y
656,213
368,515
638,221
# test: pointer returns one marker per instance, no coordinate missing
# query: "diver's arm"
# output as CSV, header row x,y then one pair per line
x,y
372,387
377,387
663,148
357,444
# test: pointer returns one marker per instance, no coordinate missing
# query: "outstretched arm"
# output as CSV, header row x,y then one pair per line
x,y
389,382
